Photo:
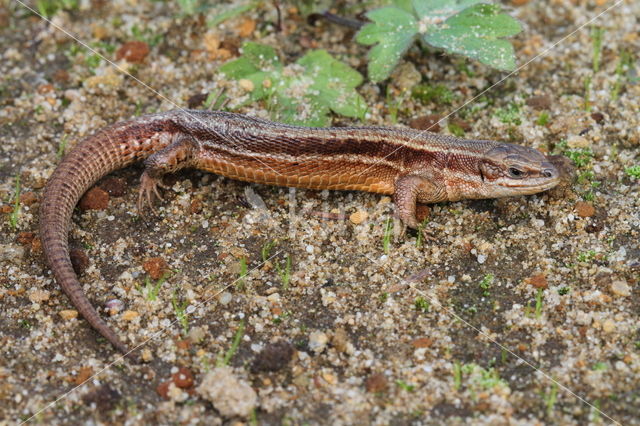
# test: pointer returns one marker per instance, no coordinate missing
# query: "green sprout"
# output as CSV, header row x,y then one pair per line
x,y
485,284
421,304
539,300
151,290
235,344
404,385
633,171
596,37
243,273
180,309
285,273
15,212
551,398
386,237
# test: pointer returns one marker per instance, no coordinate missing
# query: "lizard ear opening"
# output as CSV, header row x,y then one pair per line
x,y
489,171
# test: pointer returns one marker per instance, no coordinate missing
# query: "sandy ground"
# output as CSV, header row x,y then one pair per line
x,y
520,311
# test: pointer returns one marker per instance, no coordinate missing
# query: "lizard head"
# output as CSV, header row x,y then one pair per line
x,y
517,170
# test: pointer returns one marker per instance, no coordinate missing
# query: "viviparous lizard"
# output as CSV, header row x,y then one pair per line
x,y
414,166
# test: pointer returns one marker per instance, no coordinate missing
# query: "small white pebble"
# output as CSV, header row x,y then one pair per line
x,y
482,258
309,249
111,218
191,309
225,298
205,224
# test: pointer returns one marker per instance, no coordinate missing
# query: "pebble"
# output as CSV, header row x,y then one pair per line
x,y
114,306
224,298
430,122
376,383
620,288
230,396
155,267
482,258
130,315
68,314
608,326
94,199
577,141
133,51
585,209
38,296
318,341
358,217
246,85
11,253
183,378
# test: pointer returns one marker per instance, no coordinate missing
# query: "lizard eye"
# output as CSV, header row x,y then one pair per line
x,y
515,173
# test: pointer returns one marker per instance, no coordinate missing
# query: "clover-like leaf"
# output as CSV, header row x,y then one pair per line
x,y
392,31
476,32
303,93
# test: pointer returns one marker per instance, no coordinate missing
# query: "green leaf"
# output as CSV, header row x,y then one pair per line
x,y
392,31
475,33
442,9
304,93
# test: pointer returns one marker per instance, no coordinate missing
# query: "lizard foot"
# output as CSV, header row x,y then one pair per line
x,y
148,190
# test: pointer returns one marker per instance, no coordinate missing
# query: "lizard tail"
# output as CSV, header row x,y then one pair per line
x,y
110,149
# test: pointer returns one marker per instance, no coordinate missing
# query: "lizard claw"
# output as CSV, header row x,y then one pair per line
x,y
148,189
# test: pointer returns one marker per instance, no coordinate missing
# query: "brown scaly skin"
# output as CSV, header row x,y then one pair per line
x,y
413,166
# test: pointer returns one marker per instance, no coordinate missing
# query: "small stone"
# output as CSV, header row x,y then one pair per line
x,y
230,396
25,238
585,209
318,341
405,76
183,378
38,296
114,306
28,198
598,117
79,260
225,298
114,186
12,253
340,340
273,357
538,281
620,288
539,102
422,342
133,51
376,383
130,315
246,85
358,217
247,27
608,326
94,199
68,314
428,122
577,141
83,375
163,389
155,267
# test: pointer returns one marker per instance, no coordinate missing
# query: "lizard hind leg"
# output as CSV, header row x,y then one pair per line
x,y
180,154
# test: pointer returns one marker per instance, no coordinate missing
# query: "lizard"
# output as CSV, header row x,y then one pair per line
x,y
413,166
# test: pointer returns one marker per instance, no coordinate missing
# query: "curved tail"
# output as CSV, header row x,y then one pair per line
x,y
110,149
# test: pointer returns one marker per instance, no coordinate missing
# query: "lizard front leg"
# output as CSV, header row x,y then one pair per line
x,y
408,191
181,153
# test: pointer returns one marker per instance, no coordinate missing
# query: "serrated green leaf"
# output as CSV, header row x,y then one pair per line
x,y
442,9
307,92
475,33
392,31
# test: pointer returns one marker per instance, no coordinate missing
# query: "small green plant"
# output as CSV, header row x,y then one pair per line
x,y
633,171
471,28
404,385
235,344
596,38
624,65
599,366
386,236
595,412
146,35
457,375
439,94
48,8
543,119
150,290
304,93
581,157
550,399
285,273
510,114
421,304
15,212
539,300
455,129
486,283
226,12
62,148
242,274
481,379
180,309
586,256
266,250
384,297
420,236
564,290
